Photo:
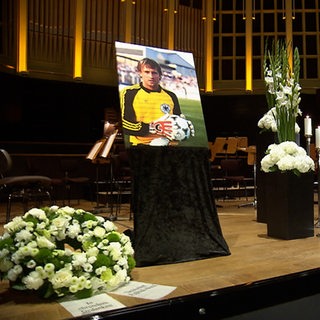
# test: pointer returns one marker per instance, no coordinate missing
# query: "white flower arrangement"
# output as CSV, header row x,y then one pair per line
x,y
287,156
268,122
282,92
283,98
64,251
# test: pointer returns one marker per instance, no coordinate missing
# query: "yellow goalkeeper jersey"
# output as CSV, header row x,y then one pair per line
x,y
140,107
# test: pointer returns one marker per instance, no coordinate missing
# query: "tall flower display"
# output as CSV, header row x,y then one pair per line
x,y
282,92
283,99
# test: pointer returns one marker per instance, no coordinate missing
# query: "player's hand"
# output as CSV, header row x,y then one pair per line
x,y
162,126
190,124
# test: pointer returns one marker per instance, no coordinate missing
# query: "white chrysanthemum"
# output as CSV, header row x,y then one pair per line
x,y
287,156
118,278
100,271
24,235
123,262
99,232
92,252
33,280
60,222
127,249
266,163
304,164
88,224
14,273
79,284
79,259
116,267
31,264
73,288
61,235
15,224
100,219
286,163
289,147
61,278
87,267
43,242
34,252
16,257
115,250
49,267
276,154
92,260
66,211
73,230
54,208
86,236
37,213
43,274
109,226
24,251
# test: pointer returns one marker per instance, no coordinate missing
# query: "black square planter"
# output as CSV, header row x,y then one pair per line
x,y
289,205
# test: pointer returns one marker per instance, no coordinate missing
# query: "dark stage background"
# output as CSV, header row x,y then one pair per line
x,y
55,111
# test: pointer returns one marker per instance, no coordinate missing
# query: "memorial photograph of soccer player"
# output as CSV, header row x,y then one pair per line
x,y
159,97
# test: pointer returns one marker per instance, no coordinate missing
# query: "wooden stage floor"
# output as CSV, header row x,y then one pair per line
x,y
255,258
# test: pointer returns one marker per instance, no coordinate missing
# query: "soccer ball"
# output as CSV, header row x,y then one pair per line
x,y
181,129
159,142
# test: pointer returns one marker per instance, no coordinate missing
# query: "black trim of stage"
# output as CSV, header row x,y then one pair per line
x,y
229,301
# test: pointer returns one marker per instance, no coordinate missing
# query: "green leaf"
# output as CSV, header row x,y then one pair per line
x,y
30,218
43,255
131,262
296,172
5,243
18,286
85,216
103,260
82,294
113,237
46,290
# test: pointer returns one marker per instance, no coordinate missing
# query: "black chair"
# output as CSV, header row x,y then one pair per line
x,y
121,180
73,177
50,168
24,187
252,161
234,174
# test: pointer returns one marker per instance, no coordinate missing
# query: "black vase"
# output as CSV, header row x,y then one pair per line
x,y
264,140
289,204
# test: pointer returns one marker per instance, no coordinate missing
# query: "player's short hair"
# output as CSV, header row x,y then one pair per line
x,y
151,63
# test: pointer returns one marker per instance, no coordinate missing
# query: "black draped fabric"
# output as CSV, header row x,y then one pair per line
x,y
175,217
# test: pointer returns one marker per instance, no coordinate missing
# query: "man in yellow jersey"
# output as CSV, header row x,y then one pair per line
x,y
147,109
